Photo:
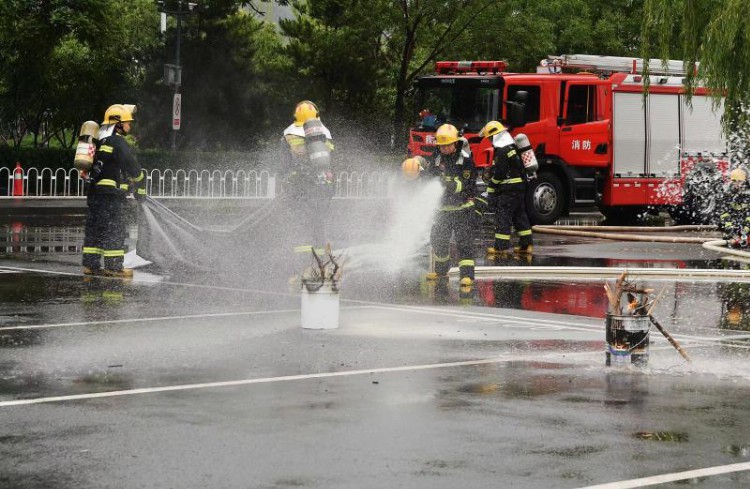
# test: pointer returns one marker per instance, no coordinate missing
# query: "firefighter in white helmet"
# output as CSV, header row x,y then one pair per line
x,y
114,174
735,218
453,165
308,176
506,193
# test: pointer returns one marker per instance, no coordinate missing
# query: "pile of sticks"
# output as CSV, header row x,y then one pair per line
x,y
638,301
325,269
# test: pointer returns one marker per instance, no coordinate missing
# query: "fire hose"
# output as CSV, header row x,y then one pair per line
x,y
719,246
624,232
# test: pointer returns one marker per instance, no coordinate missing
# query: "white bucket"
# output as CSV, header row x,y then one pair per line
x,y
320,309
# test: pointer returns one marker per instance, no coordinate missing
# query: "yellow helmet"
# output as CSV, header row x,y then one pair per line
x,y
446,134
304,111
491,128
410,168
119,113
738,175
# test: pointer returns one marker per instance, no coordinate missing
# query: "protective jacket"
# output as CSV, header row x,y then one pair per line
x,y
735,218
459,177
508,173
115,167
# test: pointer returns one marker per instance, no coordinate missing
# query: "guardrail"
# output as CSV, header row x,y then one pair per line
x,y
194,184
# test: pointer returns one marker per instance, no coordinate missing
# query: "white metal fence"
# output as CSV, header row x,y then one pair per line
x,y
193,184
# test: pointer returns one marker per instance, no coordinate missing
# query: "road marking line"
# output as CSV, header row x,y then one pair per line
x,y
287,378
18,269
676,476
135,281
159,318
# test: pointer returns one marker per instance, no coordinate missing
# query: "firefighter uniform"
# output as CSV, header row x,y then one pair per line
x,y
310,184
506,192
114,173
735,218
456,215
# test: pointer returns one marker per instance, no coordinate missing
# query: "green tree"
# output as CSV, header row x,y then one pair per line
x,y
63,61
712,36
230,66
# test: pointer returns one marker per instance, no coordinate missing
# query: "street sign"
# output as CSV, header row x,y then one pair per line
x,y
172,75
176,111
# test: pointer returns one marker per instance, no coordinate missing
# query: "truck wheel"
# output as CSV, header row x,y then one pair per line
x,y
545,199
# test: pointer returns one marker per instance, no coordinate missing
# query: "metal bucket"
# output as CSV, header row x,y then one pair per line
x,y
627,339
320,307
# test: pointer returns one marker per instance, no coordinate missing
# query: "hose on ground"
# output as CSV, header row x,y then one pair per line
x,y
712,244
597,232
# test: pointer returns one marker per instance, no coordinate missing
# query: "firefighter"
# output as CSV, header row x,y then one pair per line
x,y
309,178
453,165
506,193
114,174
735,218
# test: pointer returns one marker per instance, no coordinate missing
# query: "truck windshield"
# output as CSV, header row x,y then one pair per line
x,y
468,108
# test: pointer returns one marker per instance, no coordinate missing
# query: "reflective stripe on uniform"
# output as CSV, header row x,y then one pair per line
x,y
505,237
512,180
113,253
494,180
459,185
466,263
511,153
525,232
442,259
124,186
106,182
140,176
106,149
89,250
490,190
141,191
453,208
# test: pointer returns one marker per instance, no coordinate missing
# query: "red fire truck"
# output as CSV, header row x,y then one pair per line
x,y
598,141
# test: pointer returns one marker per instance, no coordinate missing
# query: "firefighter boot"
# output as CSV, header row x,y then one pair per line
x,y
466,282
524,250
92,271
125,273
499,253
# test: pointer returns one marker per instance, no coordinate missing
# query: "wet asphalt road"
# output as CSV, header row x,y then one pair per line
x,y
195,381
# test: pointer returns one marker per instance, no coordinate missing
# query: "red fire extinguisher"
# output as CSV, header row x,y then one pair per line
x,y
18,181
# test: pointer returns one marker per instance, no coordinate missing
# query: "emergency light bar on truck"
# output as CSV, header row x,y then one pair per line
x,y
449,67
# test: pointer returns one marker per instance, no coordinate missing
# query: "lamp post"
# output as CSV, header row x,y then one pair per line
x,y
173,73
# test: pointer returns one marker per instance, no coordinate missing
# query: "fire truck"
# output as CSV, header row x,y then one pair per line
x,y
598,140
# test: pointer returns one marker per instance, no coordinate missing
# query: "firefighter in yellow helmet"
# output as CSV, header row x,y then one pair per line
x,y
114,174
506,192
308,177
735,216
453,165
